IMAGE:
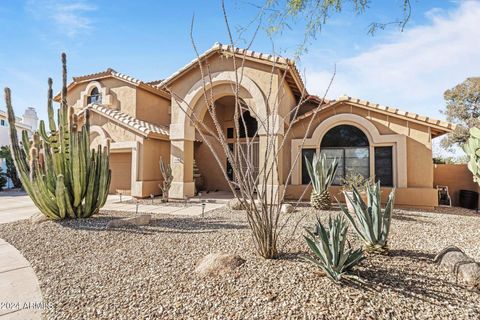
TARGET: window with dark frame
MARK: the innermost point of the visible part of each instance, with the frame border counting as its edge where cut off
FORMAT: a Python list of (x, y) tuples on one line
[(306, 153), (229, 133), (350, 146), (384, 165)]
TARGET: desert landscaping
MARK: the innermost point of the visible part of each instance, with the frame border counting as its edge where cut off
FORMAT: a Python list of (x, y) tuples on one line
[(149, 271)]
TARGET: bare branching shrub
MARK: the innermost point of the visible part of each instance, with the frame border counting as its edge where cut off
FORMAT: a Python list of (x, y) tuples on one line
[(257, 188)]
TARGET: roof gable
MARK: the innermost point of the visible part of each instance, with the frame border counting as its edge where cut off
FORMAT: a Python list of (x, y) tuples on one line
[(293, 78), (110, 73)]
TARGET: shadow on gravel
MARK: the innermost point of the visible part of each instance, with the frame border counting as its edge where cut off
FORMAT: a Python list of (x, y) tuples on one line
[(159, 225), (401, 216), (408, 284), (417, 255)]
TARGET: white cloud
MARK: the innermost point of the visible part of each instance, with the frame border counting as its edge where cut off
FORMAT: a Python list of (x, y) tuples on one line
[(68, 17), (411, 70)]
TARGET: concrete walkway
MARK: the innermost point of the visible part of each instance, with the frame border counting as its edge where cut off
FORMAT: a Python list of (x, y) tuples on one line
[(20, 295), (191, 208), (15, 206)]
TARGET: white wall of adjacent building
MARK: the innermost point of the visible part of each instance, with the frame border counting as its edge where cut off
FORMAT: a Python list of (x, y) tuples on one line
[(28, 122)]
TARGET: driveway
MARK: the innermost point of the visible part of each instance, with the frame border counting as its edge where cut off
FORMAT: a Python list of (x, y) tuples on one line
[(15, 206)]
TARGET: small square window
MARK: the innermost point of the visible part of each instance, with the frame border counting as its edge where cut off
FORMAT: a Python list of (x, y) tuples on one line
[(2, 123), (229, 133)]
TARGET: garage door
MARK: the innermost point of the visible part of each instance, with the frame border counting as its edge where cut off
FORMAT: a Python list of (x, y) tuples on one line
[(121, 166)]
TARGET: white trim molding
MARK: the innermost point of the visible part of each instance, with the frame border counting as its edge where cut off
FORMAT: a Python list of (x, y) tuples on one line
[(397, 141), (107, 98)]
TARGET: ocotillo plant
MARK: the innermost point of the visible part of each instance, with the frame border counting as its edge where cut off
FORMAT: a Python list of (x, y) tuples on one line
[(59, 171), (472, 149), (167, 175)]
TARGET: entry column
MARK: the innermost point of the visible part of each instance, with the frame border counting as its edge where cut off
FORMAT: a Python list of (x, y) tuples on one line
[(271, 164), (181, 161)]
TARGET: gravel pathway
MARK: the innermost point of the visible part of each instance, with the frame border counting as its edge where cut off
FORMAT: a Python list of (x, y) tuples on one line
[(88, 272)]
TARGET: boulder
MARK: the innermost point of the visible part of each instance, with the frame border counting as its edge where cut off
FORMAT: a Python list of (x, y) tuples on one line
[(287, 208), (461, 265), (235, 204), (38, 218), (141, 220), (218, 264)]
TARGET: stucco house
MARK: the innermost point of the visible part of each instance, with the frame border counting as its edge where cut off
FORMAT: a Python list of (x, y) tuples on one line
[(144, 123)]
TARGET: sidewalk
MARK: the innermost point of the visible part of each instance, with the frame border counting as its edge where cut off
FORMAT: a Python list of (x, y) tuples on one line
[(20, 293), (190, 209)]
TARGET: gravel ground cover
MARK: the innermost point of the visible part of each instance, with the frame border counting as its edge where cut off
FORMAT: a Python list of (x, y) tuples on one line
[(87, 272)]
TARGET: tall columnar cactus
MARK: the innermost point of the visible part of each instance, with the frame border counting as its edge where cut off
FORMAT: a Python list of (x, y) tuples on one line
[(59, 171), (472, 149)]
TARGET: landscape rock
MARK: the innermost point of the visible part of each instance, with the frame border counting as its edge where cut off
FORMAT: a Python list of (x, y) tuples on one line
[(287, 208), (235, 204), (141, 220), (218, 264), (38, 218), (461, 265)]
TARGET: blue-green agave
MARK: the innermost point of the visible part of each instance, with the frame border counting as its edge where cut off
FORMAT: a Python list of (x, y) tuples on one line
[(331, 249), (372, 223)]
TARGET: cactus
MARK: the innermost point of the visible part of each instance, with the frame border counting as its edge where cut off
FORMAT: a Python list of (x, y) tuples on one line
[(472, 149), (58, 170), (167, 175)]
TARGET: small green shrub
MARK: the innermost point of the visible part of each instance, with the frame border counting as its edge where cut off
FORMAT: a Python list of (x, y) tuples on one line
[(372, 223), (331, 249)]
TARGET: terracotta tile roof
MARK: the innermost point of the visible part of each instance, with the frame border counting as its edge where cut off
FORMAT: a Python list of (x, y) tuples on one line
[(293, 78), (154, 82), (112, 73), (442, 126), (144, 128)]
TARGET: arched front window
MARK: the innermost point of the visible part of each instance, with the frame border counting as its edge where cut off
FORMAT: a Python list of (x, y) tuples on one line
[(94, 97), (351, 147)]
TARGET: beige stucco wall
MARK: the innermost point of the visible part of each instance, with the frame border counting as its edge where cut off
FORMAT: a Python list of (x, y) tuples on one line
[(457, 177), (122, 95), (149, 175), (419, 189), (152, 108)]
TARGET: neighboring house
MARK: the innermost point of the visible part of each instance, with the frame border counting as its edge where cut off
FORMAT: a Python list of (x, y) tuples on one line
[(28, 122), (144, 123)]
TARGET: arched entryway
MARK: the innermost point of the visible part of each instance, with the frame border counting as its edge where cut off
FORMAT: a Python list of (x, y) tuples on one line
[(241, 136)]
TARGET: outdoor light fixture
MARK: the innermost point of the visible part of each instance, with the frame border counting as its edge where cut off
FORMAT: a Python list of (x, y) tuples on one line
[(203, 208)]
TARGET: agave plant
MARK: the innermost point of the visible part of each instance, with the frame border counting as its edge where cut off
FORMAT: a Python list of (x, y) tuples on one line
[(372, 223), (321, 174), (59, 171), (332, 251), (472, 149)]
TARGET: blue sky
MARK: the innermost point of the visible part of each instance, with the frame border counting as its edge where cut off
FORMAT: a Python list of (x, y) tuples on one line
[(150, 40)]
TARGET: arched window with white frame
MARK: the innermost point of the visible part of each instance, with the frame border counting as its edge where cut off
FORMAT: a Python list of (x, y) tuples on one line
[(94, 97)]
